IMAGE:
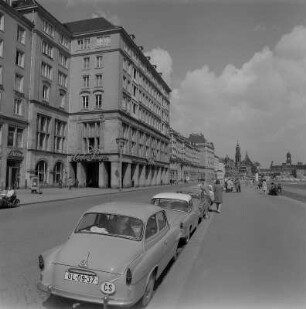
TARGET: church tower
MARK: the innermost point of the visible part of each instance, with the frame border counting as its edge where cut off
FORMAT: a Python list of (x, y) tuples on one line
[(237, 155), (288, 161)]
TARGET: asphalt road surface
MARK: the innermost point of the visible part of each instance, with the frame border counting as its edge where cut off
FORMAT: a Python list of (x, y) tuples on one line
[(252, 255)]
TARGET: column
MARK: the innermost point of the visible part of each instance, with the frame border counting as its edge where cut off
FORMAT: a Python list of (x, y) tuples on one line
[(115, 175), (102, 175), (136, 176), (127, 181)]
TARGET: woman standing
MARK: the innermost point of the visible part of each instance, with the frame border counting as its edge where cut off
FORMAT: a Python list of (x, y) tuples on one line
[(218, 190)]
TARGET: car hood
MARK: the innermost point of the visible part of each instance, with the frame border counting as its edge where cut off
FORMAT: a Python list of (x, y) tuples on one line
[(176, 217), (104, 253)]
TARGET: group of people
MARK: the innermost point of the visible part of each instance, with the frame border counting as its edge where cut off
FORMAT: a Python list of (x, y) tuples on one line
[(272, 188), (230, 184), (214, 194)]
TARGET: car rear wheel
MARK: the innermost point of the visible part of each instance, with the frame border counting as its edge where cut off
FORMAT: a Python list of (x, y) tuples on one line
[(148, 294)]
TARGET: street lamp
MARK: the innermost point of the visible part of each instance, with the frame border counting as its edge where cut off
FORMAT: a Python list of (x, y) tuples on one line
[(120, 142)]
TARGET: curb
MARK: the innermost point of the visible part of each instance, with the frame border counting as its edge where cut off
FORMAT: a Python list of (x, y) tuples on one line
[(93, 194)]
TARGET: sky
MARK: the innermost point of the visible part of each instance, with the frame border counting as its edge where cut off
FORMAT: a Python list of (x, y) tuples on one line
[(237, 68)]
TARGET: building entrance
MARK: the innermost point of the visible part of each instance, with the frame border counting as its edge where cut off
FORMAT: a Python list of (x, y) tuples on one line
[(92, 174), (13, 175)]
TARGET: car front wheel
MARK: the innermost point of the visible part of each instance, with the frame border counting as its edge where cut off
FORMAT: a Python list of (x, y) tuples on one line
[(148, 294)]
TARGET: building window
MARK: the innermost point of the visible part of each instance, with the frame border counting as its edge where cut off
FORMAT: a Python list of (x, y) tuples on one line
[(45, 93), (85, 81), (86, 63), (1, 75), (43, 124), (62, 79), (98, 100), (41, 171), (46, 70), (14, 137), (99, 80), (99, 61), (63, 60), (62, 99), (58, 172), (48, 28), (21, 35), (1, 48), (18, 106), (64, 41), (59, 136), (1, 22), (47, 49), (85, 101), (19, 58), (84, 43), (19, 83)]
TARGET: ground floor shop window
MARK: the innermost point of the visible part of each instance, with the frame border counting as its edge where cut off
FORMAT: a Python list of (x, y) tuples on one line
[(58, 172), (41, 171)]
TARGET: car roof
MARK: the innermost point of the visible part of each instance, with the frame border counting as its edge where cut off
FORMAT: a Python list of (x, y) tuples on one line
[(173, 195), (137, 210)]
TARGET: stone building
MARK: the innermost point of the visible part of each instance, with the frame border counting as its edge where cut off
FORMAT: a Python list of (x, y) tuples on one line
[(185, 159), (15, 85), (93, 107)]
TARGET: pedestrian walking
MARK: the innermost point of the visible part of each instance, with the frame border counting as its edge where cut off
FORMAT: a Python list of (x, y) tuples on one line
[(264, 187), (218, 192)]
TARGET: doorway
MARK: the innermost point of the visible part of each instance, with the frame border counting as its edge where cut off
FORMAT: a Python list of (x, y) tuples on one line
[(92, 174)]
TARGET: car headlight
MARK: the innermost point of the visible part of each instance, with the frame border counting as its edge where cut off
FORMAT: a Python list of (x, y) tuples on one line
[(129, 277), (41, 262)]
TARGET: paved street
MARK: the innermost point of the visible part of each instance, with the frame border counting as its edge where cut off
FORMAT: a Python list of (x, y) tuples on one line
[(251, 255)]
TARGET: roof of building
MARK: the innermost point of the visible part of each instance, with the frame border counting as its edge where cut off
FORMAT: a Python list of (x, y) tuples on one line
[(89, 25), (197, 138)]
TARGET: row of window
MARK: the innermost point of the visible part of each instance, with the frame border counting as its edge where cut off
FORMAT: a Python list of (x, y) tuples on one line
[(47, 70), (49, 30), (43, 139), (87, 62), (100, 41), (87, 78), (20, 34), (85, 98), (48, 50)]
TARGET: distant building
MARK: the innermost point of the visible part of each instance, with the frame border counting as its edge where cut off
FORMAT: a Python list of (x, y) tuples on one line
[(288, 169)]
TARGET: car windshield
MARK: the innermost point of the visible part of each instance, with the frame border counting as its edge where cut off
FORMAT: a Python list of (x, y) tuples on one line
[(172, 204), (111, 225)]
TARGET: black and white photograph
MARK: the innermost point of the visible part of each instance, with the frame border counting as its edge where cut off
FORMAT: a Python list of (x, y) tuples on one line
[(153, 154)]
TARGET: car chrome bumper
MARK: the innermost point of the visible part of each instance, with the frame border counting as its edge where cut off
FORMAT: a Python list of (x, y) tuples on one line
[(98, 300)]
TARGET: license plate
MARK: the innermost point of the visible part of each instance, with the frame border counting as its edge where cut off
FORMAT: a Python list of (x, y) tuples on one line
[(81, 278)]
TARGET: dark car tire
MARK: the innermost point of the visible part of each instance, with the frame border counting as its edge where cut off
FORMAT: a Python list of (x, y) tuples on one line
[(149, 291)]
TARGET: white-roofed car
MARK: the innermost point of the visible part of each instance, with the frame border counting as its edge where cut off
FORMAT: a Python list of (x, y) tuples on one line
[(181, 211), (117, 249)]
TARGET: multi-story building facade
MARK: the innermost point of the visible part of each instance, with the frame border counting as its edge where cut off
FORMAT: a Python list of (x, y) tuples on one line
[(97, 110), (185, 159), (207, 155), (15, 65)]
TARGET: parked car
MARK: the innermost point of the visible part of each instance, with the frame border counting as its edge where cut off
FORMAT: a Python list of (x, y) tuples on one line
[(200, 199), (116, 247), (181, 211)]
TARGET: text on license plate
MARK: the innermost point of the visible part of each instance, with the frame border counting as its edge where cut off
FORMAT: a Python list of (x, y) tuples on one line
[(81, 278)]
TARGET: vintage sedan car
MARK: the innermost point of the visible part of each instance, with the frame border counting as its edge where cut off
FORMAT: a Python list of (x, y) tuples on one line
[(117, 249), (181, 211), (200, 199)]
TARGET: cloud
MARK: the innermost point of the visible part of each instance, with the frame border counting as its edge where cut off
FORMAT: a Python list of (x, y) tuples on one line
[(262, 103), (114, 19), (162, 59)]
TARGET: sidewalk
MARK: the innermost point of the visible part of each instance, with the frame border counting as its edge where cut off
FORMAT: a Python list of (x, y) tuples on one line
[(58, 194)]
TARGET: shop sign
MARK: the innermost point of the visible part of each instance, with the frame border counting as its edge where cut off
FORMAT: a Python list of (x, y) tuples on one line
[(15, 154), (93, 156)]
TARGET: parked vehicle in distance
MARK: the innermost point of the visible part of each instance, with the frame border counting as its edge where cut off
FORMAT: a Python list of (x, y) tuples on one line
[(181, 211), (117, 248)]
